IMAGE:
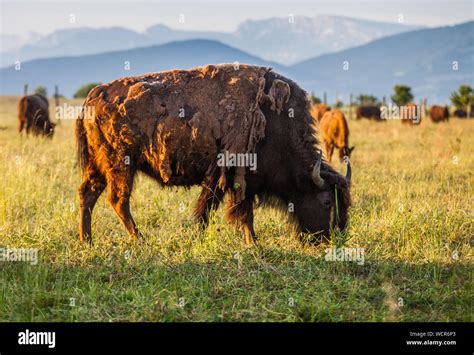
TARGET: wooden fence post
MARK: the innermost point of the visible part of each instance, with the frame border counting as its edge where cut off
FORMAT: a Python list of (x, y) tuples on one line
[(56, 101), (56, 95), (350, 106), (25, 89)]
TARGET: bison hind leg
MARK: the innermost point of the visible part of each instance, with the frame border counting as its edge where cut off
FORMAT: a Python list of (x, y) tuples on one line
[(209, 199), (21, 125), (90, 190), (121, 185)]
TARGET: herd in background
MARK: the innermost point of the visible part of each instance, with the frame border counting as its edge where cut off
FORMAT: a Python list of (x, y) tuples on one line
[(334, 129), (33, 117)]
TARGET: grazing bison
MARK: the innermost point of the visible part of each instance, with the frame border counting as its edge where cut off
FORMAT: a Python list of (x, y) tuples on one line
[(335, 133), (461, 113), (174, 125), (410, 114), (33, 111), (318, 110), (439, 113), (370, 112)]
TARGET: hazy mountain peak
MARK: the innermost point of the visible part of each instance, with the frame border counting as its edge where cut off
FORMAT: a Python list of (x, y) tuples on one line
[(276, 39)]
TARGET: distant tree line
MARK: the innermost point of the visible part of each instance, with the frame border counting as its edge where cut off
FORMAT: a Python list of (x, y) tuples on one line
[(84, 90), (462, 99)]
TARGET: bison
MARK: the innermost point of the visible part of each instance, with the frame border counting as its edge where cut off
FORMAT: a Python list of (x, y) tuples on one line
[(33, 111), (318, 110), (370, 112), (462, 113), (174, 125), (439, 113), (335, 133)]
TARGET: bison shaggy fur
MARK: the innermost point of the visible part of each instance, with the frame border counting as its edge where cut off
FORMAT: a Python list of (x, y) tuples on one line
[(173, 125)]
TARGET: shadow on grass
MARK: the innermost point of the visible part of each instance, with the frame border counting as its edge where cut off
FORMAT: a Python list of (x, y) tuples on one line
[(260, 285)]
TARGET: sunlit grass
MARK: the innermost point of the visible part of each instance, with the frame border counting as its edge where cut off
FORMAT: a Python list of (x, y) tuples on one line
[(412, 213)]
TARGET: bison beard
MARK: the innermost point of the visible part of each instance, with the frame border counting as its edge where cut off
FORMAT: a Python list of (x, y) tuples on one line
[(172, 126)]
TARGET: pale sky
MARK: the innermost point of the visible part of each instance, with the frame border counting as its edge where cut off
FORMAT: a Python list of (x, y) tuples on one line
[(21, 17)]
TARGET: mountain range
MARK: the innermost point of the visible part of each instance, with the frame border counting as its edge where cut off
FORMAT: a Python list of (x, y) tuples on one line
[(433, 61), (71, 72), (283, 40)]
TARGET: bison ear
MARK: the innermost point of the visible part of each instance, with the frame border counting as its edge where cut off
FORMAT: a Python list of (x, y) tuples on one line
[(279, 94)]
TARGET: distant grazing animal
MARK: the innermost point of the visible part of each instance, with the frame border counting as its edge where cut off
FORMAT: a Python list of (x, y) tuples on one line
[(409, 114), (461, 113), (370, 112), (335, 134), (439, 113), (33, 112), (175, 125), (318, 110)]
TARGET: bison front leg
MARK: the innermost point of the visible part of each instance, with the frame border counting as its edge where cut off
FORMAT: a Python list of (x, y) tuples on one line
[(90, 190), (242, 215), (119, 198)]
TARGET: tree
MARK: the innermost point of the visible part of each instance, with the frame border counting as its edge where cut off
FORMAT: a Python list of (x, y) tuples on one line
[(463, 99), (339, 104), (366, 100), (84, 90), (314, 100), (41, 90), (402, 95)]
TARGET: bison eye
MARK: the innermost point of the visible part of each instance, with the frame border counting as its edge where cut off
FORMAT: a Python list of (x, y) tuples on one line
[(326, 202)]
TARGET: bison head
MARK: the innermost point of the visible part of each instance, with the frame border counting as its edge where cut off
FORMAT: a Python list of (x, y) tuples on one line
[(324, 206), (48, 129)]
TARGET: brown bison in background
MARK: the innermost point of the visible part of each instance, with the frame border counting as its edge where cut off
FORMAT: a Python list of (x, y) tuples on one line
[(335, 134), (439, 113), (33, 112), (173, 125), (318, 110), (410, 114), (370, 112)]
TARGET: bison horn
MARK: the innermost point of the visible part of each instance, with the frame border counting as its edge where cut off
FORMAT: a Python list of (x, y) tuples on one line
[(316, 174), (349, 170)]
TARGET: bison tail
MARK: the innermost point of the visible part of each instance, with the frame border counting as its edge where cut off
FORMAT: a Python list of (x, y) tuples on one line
[(81, 142)]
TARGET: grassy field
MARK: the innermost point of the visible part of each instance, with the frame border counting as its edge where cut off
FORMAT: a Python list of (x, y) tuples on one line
[(412, 213)]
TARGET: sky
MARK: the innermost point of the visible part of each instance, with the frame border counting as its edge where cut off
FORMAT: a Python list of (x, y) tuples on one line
[(20, 17)]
